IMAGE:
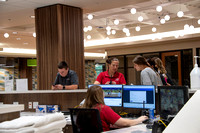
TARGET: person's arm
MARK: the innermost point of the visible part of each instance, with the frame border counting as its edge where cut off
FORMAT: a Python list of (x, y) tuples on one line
[(74, 82), (99, 78), (65, 87), (53, 87), (96, 83), (123, 81), (128, 122)]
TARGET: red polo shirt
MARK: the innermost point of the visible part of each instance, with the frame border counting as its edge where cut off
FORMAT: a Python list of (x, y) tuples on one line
[(104, 77), (108, 116)]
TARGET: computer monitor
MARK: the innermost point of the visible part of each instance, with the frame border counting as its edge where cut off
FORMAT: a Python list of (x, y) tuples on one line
[(139, 96), (113, 94), (171, 99)]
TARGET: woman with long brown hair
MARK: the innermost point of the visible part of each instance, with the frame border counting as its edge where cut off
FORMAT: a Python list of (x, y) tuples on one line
[(95, 99), (148, 76)]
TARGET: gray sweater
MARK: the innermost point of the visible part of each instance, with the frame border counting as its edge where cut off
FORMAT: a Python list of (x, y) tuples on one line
[(149, 77)]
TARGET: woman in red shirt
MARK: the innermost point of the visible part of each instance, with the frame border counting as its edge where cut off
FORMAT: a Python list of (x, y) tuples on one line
[(111, 76), (95, 99)]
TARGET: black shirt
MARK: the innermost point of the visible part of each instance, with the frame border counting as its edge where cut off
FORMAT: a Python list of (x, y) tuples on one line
[(70, 79)]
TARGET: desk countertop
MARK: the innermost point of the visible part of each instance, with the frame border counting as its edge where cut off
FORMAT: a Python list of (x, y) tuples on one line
[(44, 91), (140, 128), (8, 108)]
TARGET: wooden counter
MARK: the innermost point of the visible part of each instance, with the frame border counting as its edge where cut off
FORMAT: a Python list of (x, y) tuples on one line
[(10, 111), (65, 98)]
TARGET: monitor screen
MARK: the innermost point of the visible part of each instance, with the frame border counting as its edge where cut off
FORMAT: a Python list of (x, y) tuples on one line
[(171, 99), (113, 94), (139, 96)]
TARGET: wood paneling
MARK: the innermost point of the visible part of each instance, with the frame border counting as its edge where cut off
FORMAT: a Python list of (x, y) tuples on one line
[(25, 72), (59, 30), (65, 100), (9, 116)]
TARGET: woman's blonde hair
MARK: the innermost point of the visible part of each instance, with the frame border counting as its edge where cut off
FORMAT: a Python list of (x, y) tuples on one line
[(160, 66), (94, 96)]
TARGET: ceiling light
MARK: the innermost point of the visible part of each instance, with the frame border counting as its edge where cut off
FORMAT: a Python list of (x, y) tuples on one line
[(125, 30), (94, 54), (159, 8), (199, 21), (89, 37), (176, 35), (133, 11), (107, 38), (108, 32), (108, 28), (6, 35), (137, 28), (113, 32), (167, 17), (186, 27), (153, 29), (85, 29), (191, 27), (34, 34), (181, 34), (90, 16), (140, 18), (128, 34), (116, 21), (89, 28), (3, 0), (17, 50), (32, 16), (180, 14), (162, 21), (14, 32)]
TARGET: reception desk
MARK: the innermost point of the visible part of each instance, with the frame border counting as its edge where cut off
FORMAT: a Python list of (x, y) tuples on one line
[(10, 111), (65, 98)]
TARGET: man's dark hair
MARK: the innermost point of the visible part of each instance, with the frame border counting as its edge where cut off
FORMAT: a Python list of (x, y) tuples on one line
[(62, 65)]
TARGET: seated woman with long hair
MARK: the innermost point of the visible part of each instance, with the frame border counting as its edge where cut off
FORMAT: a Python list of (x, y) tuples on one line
[(95, 99)]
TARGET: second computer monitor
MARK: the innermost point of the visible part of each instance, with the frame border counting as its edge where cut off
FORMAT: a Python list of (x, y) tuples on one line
[(139, 96), (113, 94)]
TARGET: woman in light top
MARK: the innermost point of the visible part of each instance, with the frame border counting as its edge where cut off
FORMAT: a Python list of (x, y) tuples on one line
[(111, 76), (148, 75), (95, 99)]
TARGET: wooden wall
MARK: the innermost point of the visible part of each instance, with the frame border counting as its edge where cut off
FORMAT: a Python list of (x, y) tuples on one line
[(65, 100), (59, 30)]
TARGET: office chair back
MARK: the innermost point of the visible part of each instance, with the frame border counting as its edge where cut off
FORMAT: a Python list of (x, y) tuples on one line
[(85, 120)]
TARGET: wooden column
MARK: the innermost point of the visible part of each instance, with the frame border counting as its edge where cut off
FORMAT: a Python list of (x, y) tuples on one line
[(59, 30)]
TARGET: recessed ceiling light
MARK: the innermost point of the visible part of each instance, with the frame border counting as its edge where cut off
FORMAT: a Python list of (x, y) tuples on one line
[(89, 28), (108, 28), (34, 34), (162, 21), (137, 28), (89, 37), (186, 27), (140, 18), (32, 16), (113, 32), (199, 21), (6, 35), (128, 34), (167, 17), (116, 21), (159, 8), (90, 16), (133, 11), (180, 14), (85, 29), (154, 29), (3, 0), (108, 32)]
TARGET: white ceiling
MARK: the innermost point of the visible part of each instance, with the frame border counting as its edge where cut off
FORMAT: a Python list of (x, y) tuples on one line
[(15, 17)]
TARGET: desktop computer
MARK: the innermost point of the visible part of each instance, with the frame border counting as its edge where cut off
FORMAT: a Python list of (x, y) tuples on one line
[(113, 95)]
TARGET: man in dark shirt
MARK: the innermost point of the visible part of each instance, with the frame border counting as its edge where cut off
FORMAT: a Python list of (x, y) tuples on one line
[(66, 79)]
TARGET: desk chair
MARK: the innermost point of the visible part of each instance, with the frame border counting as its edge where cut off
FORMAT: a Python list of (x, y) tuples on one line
[(85, 120)]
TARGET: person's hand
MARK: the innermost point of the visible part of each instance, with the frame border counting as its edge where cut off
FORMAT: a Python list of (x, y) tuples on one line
[(142, 118), (58, 87), (113, 82), (107, 83)]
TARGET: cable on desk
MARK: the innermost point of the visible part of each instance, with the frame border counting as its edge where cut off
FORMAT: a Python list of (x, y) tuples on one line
[(162, 123)]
